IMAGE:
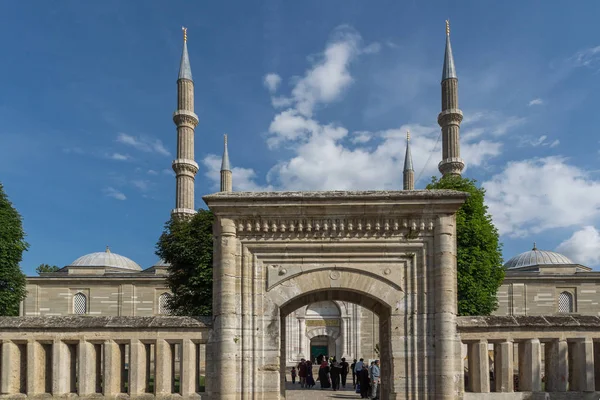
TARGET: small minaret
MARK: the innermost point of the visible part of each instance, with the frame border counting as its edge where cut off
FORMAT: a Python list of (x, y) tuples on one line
[(184, 166), (408, 182), (451, 116), (226, 183)]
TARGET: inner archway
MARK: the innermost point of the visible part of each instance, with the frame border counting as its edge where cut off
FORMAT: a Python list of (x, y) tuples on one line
[(328, 338)]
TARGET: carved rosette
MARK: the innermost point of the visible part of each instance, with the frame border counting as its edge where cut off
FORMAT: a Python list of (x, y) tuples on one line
[(333, 227)]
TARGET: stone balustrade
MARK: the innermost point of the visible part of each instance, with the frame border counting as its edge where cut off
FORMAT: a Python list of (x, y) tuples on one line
[(531, 357), (104, 357)]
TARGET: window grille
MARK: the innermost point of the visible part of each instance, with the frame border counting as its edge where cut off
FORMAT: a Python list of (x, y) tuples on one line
[(565, 302), (163, 304), (79, 304)]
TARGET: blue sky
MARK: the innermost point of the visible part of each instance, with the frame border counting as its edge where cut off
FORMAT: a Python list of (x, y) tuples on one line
[(313, 95)]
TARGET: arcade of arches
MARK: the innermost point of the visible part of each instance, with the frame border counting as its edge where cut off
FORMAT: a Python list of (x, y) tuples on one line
[(287, 263)]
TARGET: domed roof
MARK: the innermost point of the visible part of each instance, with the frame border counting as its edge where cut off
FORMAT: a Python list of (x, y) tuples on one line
[(106, 259), (161, 263), (537, 257)]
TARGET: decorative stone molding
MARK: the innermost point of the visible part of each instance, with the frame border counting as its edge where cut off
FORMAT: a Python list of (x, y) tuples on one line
[(182, 166), (453, 166), (333, 332), (185, 117), (450, 116), (333, 227)]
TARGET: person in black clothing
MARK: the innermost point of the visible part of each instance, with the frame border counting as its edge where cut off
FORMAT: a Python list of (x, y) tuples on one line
[(363, 379), (353, 373), (344, 372), (335, 372)]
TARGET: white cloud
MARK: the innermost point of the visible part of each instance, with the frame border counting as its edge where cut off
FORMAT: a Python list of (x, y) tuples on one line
[(537, 142), (114, 193), (536, 102), (583, 246), (243, 179), (586, 58), (508, 123), (372, 48), (152, 172), (271, 82), (119, 156), (531, 196), (361, 137), (144, 144), (168, 171), (142, 185), (329, 77)]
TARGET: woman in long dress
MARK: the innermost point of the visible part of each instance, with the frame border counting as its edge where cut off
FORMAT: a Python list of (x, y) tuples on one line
[(324, 375), (310, 381)]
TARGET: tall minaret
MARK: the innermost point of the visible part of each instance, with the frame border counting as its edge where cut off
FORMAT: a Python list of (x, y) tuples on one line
[(408, 182), (451, 116), (184, 166), (226, 184)]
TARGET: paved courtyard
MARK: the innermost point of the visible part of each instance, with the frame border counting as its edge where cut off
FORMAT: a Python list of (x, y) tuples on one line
[(294, 392)]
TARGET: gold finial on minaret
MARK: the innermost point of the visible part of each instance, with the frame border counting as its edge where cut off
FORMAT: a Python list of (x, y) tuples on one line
[(184, 29), (407, 135), (447, 27)]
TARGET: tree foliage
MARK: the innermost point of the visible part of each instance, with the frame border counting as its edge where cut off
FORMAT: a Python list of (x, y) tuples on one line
[(188, 247), (44, 268), (480, 270), (12, 246)]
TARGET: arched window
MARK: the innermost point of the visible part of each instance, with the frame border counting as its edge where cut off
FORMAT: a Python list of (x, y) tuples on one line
[(163, 304), (79, 304), (565, 302)]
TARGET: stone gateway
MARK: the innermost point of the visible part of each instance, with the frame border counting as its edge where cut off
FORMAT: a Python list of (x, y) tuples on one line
[(392, 252)]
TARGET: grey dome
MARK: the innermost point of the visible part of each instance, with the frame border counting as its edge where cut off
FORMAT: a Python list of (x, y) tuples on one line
[(537, 257), (106, 259)]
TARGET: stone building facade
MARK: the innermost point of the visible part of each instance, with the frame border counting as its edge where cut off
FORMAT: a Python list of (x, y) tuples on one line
[(102, 284)]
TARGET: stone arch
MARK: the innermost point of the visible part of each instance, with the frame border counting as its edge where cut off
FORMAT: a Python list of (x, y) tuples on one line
[(354, 287), (323, 331)]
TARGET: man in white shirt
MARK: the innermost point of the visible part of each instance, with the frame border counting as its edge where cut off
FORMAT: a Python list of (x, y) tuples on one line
[(375, 373), (358, 366)]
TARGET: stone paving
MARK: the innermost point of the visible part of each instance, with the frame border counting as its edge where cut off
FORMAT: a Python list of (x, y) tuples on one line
[(294, 392)]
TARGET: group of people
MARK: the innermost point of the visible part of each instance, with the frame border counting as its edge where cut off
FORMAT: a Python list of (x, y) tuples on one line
[(304, 373), (366, 378), (332, 374)]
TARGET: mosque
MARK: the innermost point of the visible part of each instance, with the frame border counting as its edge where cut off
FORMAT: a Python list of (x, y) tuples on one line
[(104, 283)]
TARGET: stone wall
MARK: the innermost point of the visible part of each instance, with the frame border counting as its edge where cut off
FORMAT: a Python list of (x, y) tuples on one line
[(142, 357)]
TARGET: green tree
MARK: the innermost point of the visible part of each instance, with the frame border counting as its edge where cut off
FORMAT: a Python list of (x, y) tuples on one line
[(480, 270), (12, 246), (187, 245), (44, 268)]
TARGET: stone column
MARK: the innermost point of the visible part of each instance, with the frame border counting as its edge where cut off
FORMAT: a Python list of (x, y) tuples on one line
[(137, 368), (557, 366), (60, 368), (479, 369), (445, 308), (188, 368), (530, 366), (87, 368), (162, 376), (35, 376), (9, 368), (503, 366), (583, 366), (224, 310), (112, 368), (302, 337)]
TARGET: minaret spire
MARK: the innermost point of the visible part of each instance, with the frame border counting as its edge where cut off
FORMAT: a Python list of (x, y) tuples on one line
[(226, 182), (408, 182), (451, 116), (186, 120)]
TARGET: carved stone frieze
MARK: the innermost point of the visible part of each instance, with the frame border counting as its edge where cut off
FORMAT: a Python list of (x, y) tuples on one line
[(409, 228)]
